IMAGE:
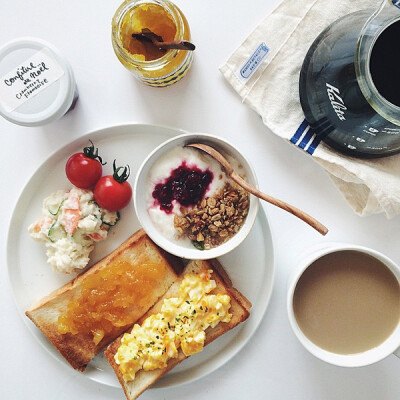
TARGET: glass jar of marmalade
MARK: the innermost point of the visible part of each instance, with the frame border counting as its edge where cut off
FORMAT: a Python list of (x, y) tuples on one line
[(153, 66)]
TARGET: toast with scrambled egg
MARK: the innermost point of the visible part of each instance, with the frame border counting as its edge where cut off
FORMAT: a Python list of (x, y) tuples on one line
[(92, 310), (153, 330)]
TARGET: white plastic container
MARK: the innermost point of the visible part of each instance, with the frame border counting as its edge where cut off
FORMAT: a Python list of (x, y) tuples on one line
[(37, 84)]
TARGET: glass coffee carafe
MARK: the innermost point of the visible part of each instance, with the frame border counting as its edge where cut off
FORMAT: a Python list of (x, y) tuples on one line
[(350, 83)]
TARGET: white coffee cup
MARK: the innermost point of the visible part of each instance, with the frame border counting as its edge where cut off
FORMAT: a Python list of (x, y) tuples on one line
[(390, 346)]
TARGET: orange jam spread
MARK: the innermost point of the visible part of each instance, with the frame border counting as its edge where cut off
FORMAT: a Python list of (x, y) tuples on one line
[(147, 16), (110, 299)]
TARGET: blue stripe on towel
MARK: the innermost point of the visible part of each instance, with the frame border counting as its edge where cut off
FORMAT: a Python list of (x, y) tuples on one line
[(314, 144), (299, 132), (309, 139), (306, 138)]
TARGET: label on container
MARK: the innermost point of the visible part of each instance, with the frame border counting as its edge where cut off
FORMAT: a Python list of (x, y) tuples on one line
[(28, 79), (254, 61)]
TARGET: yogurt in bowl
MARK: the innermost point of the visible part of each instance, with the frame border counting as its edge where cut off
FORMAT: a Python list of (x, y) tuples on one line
[(188, 205)]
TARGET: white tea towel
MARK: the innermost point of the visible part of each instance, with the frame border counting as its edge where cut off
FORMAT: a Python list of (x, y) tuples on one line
[(277, 48)]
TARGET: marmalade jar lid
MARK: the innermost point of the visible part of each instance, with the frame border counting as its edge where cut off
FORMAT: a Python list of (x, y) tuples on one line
[(37, 84)]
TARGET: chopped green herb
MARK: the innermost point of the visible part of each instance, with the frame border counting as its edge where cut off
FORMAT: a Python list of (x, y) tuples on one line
[(198, 245)]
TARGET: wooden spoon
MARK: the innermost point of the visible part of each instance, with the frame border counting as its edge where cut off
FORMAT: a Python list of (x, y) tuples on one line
[(148, 36), (240, 181)]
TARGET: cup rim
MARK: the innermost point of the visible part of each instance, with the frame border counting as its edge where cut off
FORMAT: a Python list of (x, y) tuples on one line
[(371, 356)]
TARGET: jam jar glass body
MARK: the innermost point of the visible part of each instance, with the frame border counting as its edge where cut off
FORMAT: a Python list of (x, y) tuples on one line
[(162, 71)]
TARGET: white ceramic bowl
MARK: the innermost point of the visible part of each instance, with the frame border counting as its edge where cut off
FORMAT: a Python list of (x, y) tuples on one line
[(178, 247)]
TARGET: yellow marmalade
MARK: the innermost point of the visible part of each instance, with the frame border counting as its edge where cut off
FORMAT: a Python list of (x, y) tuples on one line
[(181, 323), (152, 66)]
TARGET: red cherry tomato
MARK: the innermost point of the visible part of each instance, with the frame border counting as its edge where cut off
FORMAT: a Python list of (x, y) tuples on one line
[(84, 169), (113, 192)]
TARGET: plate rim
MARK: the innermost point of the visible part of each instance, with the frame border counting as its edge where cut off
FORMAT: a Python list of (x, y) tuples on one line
[(261, 215)]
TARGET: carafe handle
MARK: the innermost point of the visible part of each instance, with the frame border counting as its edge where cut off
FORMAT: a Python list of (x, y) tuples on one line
[(386, 6), (385, 11)]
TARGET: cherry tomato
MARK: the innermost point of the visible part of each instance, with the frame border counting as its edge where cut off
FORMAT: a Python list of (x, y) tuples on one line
[(84, 169), (113, 192)]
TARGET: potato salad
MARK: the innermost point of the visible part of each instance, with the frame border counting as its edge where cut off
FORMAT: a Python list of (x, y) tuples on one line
[(71, 223)]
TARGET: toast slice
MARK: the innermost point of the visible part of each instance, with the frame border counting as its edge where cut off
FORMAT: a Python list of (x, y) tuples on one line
[(240, 310), (78, 349)]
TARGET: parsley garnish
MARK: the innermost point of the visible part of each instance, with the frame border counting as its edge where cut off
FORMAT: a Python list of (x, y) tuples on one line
[(198, 245)]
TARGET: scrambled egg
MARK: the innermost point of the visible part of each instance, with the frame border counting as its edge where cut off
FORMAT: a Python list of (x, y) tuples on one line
[(181, 323)]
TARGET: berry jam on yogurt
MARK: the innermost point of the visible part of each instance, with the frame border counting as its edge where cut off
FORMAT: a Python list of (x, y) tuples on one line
[(186, 185), (177, 181), (191, 200)]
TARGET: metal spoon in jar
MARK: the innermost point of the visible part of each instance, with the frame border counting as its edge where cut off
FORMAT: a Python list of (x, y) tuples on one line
[(241, 182)]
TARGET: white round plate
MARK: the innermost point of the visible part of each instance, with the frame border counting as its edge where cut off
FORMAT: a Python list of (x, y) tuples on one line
[(250, 266)]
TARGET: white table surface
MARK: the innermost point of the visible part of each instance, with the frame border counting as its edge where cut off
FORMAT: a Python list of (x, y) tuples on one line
[(273, 365)]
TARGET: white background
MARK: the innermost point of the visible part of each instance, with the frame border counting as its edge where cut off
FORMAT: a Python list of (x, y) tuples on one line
[(273, 365)]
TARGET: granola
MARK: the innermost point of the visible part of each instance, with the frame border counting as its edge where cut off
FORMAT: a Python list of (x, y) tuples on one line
[(214, 220)]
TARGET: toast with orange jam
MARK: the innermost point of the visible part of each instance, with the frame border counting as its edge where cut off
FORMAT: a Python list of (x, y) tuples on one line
[(92, 310), (153, 330)]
